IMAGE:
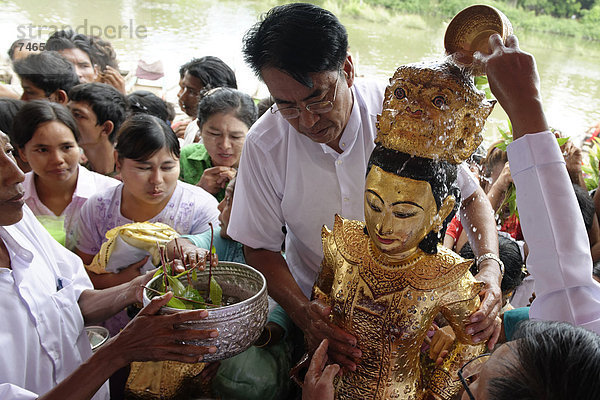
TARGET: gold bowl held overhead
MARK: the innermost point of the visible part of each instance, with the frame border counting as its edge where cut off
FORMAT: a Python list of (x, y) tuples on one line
[(470, 30)]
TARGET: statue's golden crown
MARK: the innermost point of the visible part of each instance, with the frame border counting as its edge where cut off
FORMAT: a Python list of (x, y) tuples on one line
[(433, 111)]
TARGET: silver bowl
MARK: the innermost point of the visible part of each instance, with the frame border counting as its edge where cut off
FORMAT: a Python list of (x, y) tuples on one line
[(239, 324)]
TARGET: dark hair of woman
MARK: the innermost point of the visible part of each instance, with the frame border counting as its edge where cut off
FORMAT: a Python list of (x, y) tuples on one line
[(440, 175), (146, 102), (142, 135), (226, 100), (36, 112)]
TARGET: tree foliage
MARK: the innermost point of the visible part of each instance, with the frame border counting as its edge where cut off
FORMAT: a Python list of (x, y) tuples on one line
[(558, 8)]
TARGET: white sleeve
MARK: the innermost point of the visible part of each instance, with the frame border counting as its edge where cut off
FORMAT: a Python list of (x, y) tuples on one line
[(8, 391), (256, 215), (559, 251), (466, 181)]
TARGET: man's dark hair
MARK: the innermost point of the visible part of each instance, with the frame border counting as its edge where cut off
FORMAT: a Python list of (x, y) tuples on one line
[(212, 71), (35, 113), (510, 255), (586, 205), (554, 361), (226, 100), (299, 39), (441, 176), (145, 102), (47, 70), (142, 135), (69, 39), (107, 103), (8, 109)]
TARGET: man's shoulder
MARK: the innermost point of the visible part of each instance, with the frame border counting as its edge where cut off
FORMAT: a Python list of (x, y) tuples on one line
[(370, 94), (269, 131)]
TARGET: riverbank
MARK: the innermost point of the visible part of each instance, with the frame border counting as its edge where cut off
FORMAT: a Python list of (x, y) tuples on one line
[(587, 27)]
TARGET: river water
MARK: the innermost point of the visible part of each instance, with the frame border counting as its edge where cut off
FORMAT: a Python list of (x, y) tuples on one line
[(176, 31)]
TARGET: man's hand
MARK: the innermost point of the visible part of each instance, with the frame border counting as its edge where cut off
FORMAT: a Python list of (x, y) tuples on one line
[(112, 77), (441, 342), (483, 323), (318, 384), (180, 127), (152, 337), (316, 326), (514, 81), (216, 178)]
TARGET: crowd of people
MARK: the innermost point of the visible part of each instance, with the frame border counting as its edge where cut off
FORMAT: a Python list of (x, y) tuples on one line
[(81, 156)]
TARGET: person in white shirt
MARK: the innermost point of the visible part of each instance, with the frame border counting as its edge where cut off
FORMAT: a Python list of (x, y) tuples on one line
[(47, 299), (47, 138), (305, 161)]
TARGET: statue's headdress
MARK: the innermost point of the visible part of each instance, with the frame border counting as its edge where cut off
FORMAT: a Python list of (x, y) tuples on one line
[(433, 111)]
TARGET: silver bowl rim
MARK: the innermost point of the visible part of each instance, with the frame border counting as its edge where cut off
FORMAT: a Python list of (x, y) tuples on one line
[(251, 299)]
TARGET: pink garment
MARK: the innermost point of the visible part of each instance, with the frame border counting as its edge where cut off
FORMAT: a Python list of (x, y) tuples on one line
[(88, 183)]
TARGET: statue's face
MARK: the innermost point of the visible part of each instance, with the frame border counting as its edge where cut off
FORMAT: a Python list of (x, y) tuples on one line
[(399, 212)]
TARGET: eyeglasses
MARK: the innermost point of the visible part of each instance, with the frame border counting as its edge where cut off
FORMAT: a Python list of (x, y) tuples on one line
[(319, 107), (470, 370)]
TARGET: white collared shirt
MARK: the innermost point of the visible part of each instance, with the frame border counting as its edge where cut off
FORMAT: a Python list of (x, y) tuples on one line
[(559, 250), (286, 179), (42, 338), (88, 183)]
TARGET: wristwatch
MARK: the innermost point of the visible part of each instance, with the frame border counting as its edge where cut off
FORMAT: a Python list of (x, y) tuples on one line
[(491, 256)]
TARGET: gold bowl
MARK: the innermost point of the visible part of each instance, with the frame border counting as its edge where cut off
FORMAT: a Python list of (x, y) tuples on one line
[(470, 30)]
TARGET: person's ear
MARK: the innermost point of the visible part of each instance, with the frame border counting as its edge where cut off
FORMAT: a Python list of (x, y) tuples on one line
[(348, 70), (22, 154), (117, 162), (445, 210), (59, 96), (107, 128)]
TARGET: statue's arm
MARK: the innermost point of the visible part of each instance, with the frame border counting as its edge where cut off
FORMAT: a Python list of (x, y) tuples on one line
[(461, 301)]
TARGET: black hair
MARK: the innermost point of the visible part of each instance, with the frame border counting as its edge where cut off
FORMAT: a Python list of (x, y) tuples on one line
[(225, 100), (8, 109), (510, 255), (103, 53), (142, 135), (47, 70), (212, 71), (16, 43), (146, 102), (69, 39), (105, 101), (441, 176), (554, 361), (36, 112), (586, 205), (299, 39)]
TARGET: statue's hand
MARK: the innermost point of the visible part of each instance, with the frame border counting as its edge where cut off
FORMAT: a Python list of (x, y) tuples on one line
[(316, 325), (483, 324)]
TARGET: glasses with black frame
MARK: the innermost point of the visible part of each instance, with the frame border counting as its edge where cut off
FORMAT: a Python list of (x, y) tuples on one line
[(318, 107), (470, 370)]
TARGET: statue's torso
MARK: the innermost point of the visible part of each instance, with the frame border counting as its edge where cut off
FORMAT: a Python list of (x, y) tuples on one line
[(388, 308)]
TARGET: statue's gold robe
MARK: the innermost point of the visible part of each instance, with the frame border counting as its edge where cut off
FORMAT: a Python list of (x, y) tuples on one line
[(389, 308)]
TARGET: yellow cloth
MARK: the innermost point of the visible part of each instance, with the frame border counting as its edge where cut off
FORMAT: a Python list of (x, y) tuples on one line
[(130, 243)]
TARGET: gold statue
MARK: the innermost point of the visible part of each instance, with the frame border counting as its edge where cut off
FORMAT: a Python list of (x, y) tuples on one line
[(388, 278)]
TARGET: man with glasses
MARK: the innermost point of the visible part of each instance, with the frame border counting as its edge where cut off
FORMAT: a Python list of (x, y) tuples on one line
[(305, 161)]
